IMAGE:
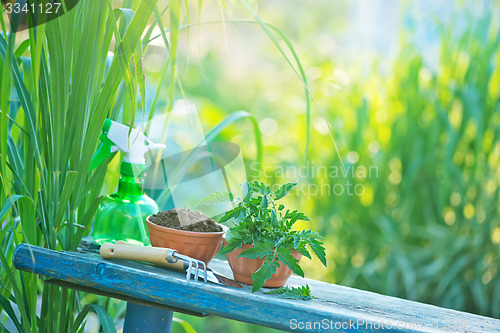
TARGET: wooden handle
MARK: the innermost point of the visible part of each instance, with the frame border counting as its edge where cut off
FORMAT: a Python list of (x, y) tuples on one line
[(154, 255)]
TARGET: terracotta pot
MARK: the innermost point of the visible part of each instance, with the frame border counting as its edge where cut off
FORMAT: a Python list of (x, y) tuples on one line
[(199, 245), (244, 267)]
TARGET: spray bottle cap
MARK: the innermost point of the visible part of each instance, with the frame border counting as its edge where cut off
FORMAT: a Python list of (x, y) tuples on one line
[(118, 137)]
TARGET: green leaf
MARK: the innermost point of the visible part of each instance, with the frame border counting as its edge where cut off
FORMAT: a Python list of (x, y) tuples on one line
[(141, 78), (105, 320), (230, 214), (303, 292), (19, 296), (283, 190), (303, 217), (128, 15), (302, 250), (264, 202), (265, 189), (22, 48), (62, 205), (285, 256), (255, 186), (296, 241), (295, 215), (274, 218), (277, 291), (260, 187), (7, 307), (8, 204), (175, 16), (2, 326), (234, 233), (217, 197), (264, 273), (246, 192), (85, 220), (318, 249), (230, 247), (254, 209), (260, 250), (185, 325)]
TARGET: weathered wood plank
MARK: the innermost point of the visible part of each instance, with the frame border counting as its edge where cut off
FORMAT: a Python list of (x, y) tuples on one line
[(337, 308)]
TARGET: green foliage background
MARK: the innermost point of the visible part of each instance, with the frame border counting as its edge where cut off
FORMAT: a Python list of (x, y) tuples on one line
[(427, 226)]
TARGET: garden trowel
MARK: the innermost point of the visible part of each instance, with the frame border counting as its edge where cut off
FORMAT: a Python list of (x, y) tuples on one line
[(168, 258)]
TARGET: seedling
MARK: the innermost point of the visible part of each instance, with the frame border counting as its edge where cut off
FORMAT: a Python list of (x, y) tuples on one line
[(303, 292), (264, 223)]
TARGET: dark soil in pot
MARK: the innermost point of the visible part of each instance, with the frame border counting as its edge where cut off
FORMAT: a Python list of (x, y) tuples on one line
[(185, 219)]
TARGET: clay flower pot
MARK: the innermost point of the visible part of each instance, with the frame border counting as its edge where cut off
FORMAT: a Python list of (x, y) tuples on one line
[(199, 245), (244, 267)]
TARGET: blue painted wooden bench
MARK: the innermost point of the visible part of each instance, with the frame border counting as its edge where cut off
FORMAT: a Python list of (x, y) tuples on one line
[(154, 293)]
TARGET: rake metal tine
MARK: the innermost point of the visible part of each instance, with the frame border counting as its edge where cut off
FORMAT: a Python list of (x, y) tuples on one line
[(197, 270), (204, 271), (188, 274), (196, 263)]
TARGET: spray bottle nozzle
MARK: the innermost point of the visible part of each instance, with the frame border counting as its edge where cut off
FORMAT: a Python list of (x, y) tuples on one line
[(117, 137)]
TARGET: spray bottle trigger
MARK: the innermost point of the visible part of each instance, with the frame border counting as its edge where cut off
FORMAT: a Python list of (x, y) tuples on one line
[(105, 149)]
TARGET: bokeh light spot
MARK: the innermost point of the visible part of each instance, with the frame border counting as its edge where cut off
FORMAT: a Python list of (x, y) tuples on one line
[(449, 216), (268, 126), (495, 236), (455, 199), (367, 197), (320, 125), (469, 211), (357, 260), (352, 157)]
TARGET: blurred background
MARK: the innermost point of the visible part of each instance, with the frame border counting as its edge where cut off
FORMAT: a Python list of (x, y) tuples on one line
[(396, 149)]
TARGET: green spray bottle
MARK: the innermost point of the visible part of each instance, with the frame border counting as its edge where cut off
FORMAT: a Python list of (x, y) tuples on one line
[(122, 215)]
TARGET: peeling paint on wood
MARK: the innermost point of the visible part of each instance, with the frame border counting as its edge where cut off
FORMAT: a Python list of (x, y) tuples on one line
[(336, 308)]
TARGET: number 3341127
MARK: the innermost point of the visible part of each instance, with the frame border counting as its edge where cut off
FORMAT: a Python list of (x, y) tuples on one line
[(43, 8)]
